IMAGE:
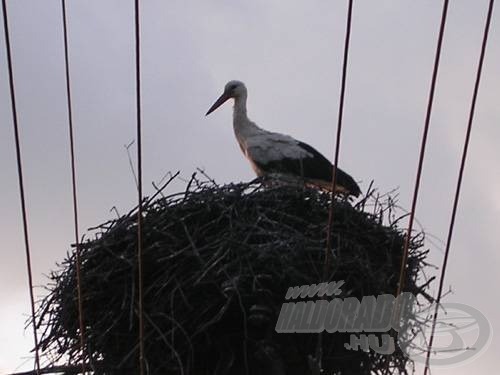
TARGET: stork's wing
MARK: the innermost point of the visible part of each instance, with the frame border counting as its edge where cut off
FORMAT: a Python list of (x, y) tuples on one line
[(278, 153)]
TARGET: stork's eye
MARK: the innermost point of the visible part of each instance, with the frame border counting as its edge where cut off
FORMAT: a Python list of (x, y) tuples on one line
[(233, 87)]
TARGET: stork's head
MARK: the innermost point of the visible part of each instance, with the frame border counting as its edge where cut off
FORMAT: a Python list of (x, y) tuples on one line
[(232, 90)]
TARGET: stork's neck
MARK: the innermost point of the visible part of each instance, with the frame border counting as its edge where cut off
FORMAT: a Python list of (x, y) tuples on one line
[(240, 109), (243, 127)]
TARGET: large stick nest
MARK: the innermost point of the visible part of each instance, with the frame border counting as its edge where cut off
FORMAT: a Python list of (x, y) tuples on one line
[(217, 262)]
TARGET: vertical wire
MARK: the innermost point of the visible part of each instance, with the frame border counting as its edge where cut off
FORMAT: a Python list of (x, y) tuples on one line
[(404, 259), (337, 147), (328, 248), (459, 181), (21, 183), (139, 187), (73, 184)]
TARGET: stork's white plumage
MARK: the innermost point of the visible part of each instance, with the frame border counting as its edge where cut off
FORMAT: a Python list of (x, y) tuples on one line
[(279, 154)]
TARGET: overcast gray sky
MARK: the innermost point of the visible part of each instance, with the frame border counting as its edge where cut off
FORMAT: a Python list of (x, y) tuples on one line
[(289, 55)]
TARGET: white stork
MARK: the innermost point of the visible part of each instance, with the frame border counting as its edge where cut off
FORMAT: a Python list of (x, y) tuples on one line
[(278, 154)]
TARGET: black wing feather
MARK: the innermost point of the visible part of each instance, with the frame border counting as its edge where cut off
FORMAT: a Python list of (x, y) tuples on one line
[(316, 167)]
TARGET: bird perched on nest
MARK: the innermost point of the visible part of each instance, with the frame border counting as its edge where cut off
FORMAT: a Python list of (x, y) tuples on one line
[(274, 154)]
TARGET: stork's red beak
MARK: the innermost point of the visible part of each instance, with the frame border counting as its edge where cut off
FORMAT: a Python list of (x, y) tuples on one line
[(222, 99)]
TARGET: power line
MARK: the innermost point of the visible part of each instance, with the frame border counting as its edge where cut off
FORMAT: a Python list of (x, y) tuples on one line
[(459, 181), (21, 182), (139, 186), (328, 248), (73, 184), (337, 146), (404, 259)]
